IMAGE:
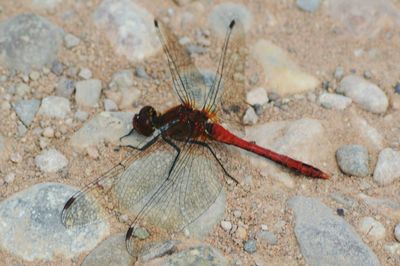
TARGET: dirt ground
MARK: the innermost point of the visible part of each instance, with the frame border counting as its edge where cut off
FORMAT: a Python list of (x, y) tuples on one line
[(312, 40)]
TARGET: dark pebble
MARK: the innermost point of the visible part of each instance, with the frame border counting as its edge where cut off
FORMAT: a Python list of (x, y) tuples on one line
[(57, 68), (340, 212), (397, 88), (250, 246)]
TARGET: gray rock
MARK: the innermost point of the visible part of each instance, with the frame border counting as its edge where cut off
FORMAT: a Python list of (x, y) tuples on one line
[(29, 41), (85, 73), (200, 255), (65, 87), (372, 228), (57, 68), (50, 161), (30, 225), (71, 41), (55, 106), (111, 251), (257, 96), (156, 250), (88, 92), (308, 5), (267, 237), (22, 89), (122, 79), (397, 232), (141, 72), (366, 94), (110, 105), (325, 238), (250, 246), (335, 101), (250, 117), (222, 15), (26, 110), (353, 159), (387, 168), (339, 73), (129, 27)]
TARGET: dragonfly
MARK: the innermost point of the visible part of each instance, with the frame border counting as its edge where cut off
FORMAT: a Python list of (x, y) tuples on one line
[(175, 175)]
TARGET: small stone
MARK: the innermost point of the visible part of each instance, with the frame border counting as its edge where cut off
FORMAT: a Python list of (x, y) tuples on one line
[(141, 233), (57, 68), (339, 73), (397, 232), (226, 225), (72, 72), (194, 49), (65, 87), (88, 92), (71, 41), (373, 229), (241, 233), (308, 5), (335, 101), (353, 159), (110, 105), (237, 213), (367, 74), (85, 73), (16, 158), (387, 168), (9, 178), (55, 106), (51, 161), (122, 79), (48, 132), (264, 227), (257, 96), (26, 110), (397, 88), (267, 237), (81, 115), (43, 143), (250, 117), (123, 218), (393, 248), (250, 246), (34, 75), (140, 72)]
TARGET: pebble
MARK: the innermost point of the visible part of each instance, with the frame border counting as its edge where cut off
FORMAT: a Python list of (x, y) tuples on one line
[(88, 92), (373, 229), (141, 233), (397, 88), (57, 68), (140, 72), (387, 168), (393, 248), (339, 73), (65, 87), (31, 227), (122, 79), (367, 74), (257, 96), (308, 5), (241, 233), (267, 237), (9, 178), (26, 110), (250, 117), (366, 94), (16, 158), (250, 246), (70, 41), (50, 161), (222, 15), (34, 39), (85, 73), (353, 160), (237, 213), (48, 132), (334, 101), (34, 75), (284, 76), (110, 105), (397, 232), (55, 106), (72, 72), (22, 89), (81, 115), (226, 225), (324, 236), (129, 27)]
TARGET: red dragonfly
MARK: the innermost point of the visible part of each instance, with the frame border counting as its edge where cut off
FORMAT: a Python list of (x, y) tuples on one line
[(174, 176)]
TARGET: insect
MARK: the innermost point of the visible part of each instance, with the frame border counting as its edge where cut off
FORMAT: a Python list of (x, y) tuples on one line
[(175, 175)]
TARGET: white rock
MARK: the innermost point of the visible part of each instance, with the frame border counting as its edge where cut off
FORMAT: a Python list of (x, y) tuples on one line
[(88, 92), (372, 228), (366, 94), (226, 225), (48, 132), (71, 41), (250, 117), (393, 248), (51, 161), (110, 105), (257, 96), (387, 168), (54, 106), (85, 73), (397, 232), (335, 101)]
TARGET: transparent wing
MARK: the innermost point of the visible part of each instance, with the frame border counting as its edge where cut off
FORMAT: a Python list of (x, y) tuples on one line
[(188, 83), (229, 83)]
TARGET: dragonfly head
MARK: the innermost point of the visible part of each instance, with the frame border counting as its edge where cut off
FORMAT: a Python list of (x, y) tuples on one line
[(143, 122)]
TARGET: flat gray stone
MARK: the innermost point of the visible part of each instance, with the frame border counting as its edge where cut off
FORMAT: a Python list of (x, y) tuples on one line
[(88, 92), (28, 41), (26, 110), (325, 238), (129, 27), (55, 107), (31, 228), (387, 168), (111, 251), (366, 94), (353, 159), (51, 161), (334, 101)]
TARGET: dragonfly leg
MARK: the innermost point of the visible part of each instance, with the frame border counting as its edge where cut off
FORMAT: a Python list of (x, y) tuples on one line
[(178, 150), (215, 156), (145, 146), (124, 136)]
